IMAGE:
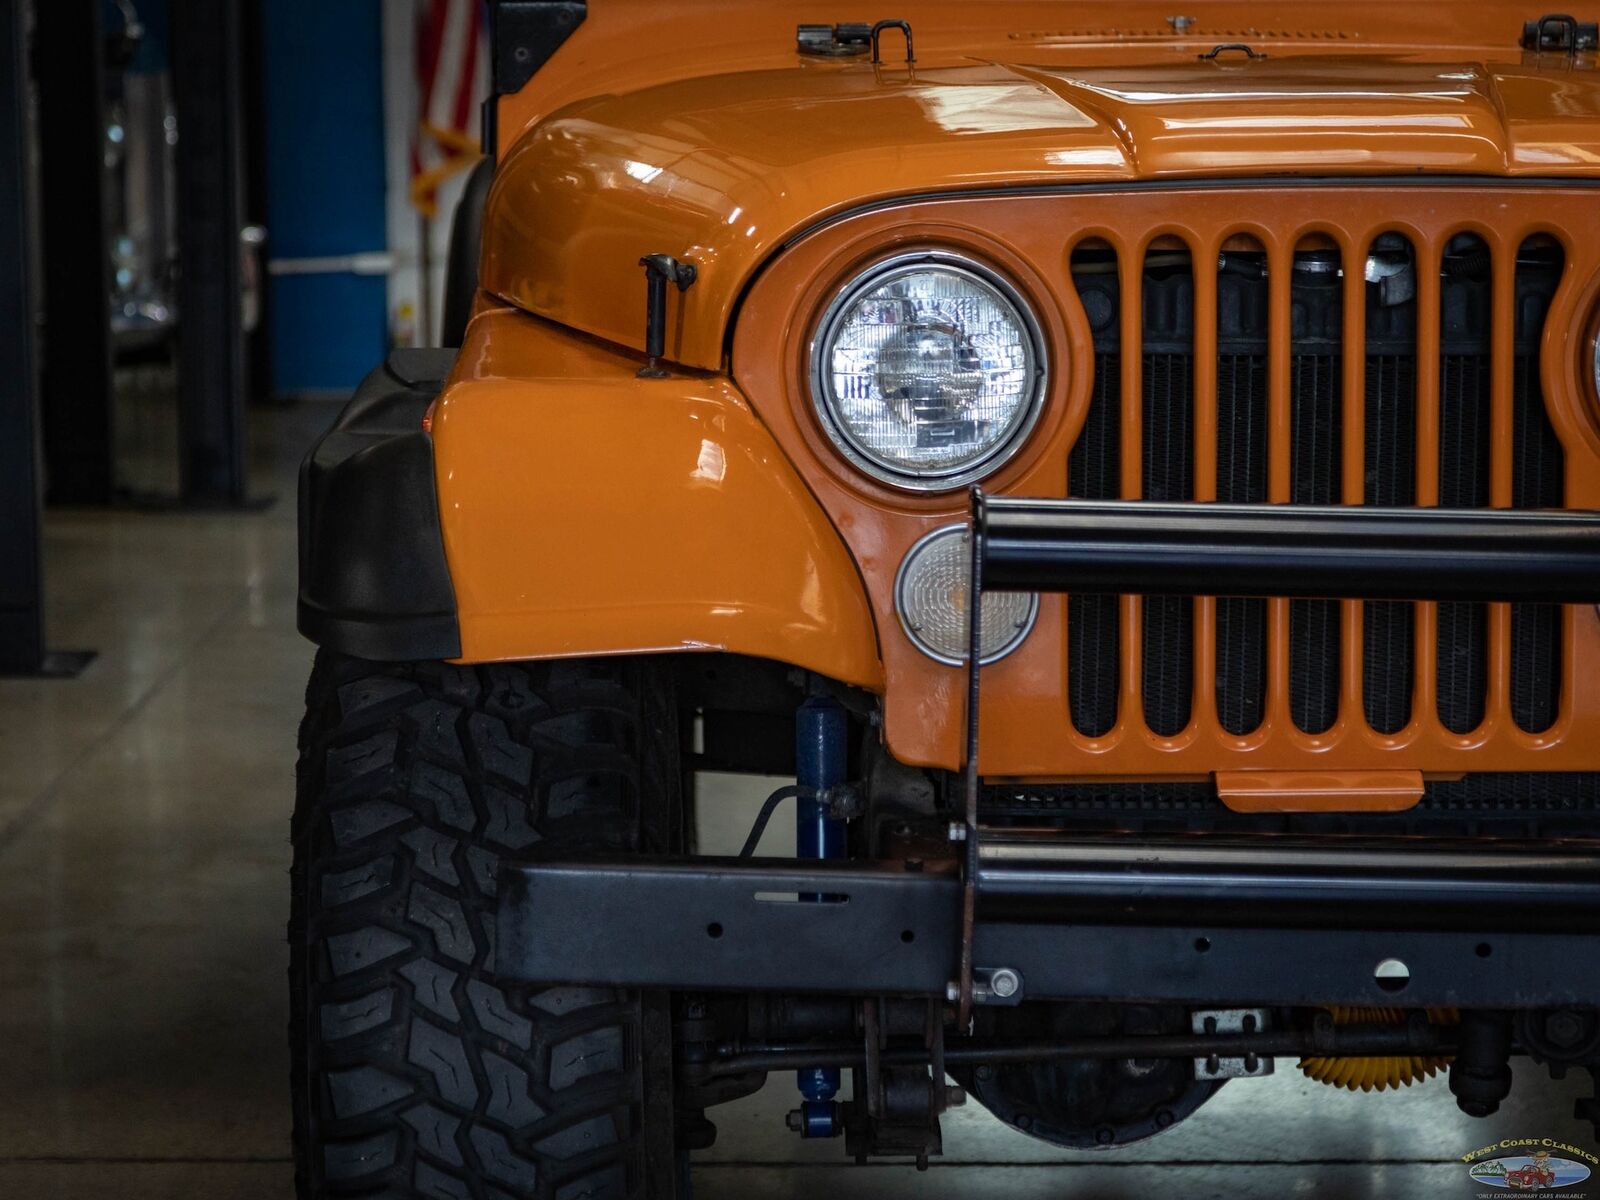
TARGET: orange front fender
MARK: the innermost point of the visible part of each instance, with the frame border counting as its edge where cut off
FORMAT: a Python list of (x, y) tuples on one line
[(587, 511)]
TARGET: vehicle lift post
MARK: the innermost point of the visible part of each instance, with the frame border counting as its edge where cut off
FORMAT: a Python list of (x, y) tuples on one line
[(22, 632)]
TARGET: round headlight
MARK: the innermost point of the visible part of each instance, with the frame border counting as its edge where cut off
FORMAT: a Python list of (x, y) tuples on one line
[(930, 594), (928, 371)]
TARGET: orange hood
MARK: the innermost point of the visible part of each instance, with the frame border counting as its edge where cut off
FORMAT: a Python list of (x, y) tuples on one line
[(724, 169)]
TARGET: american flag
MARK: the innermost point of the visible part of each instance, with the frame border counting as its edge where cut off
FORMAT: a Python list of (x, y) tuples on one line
[(452, 81)]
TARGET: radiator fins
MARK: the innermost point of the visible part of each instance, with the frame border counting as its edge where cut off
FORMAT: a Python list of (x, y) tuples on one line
[(1376, 1074)]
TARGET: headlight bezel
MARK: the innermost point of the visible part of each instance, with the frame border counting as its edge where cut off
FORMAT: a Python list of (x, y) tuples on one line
[(824, 402)]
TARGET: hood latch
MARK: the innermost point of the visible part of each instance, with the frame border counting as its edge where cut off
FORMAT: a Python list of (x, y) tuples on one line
[(660, 270)]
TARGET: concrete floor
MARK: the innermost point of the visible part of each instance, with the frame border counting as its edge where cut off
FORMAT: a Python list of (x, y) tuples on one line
[(143, 872)]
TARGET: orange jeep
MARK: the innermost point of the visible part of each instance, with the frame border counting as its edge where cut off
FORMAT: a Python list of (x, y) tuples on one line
[(1134, 467)]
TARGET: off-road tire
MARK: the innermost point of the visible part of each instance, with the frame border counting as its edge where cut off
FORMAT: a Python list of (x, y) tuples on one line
[(417, 1072)]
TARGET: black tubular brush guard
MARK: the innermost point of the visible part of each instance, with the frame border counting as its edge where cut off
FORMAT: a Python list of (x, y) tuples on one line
[(1132, 547), (1503, 925)]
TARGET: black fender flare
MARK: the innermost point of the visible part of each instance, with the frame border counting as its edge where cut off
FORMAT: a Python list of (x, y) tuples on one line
[(373, 578), (466, 247)]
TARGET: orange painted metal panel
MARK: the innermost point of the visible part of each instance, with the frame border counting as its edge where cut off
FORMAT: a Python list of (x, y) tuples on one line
[(696, 130), (587, 511), (627, 45), (1319, 791), (1027, 731)]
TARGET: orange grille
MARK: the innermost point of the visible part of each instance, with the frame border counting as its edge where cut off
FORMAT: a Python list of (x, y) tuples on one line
[(1478, 434), (1352, 375), (1528, 699)]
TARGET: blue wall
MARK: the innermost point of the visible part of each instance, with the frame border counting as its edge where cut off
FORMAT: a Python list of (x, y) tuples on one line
[(325, 186)]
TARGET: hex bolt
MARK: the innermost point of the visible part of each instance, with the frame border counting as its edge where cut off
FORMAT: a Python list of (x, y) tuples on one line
[(958, 831), (954, 1097), (794, 1120), (952, 993), (1005, 983), (1105, 1135)]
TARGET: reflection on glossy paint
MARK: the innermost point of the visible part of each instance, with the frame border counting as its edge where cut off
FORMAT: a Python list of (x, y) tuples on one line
[(997, 108), (1087, 158), (1310, 95), (813, 601), (712, 466), (1338, 121)]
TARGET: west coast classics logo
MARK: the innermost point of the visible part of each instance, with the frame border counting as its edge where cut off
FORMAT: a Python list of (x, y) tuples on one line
[(1531, 1165)]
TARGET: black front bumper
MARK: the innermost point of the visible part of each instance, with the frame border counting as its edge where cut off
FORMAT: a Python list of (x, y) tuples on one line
[(1476, 924), (1081, 921)]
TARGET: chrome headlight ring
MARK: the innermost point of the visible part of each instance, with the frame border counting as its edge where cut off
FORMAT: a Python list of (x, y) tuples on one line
[(997, 372)]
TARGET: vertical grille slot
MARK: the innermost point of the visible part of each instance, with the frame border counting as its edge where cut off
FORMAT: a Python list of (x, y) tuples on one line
[(1167, 473), (1094, 473), (1389, 439), (1315, 465), (1538, 480), (1465, 383), (1241, 458)]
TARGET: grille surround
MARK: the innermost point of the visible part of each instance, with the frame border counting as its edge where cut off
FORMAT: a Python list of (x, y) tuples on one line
[(1031, 235)]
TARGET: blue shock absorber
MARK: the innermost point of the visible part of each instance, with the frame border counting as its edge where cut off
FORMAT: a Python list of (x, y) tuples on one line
[(821, 749)]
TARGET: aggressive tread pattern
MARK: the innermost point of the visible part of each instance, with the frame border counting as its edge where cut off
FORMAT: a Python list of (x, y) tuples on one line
[(418, 1072)]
